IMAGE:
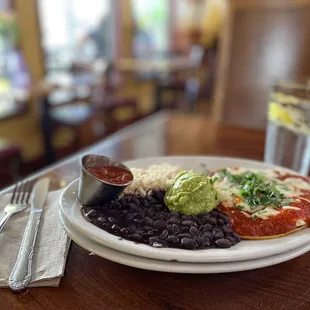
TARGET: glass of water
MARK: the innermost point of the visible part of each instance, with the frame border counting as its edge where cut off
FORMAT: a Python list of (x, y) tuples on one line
[(288, 132)]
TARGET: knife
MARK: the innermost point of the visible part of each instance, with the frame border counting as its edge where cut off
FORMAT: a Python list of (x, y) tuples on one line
[(21, 272)]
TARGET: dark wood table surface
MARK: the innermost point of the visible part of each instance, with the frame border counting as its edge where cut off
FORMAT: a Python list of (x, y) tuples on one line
[(91, 282)]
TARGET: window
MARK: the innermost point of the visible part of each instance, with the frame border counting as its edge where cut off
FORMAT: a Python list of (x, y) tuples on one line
[(75, 30), (151, 26)]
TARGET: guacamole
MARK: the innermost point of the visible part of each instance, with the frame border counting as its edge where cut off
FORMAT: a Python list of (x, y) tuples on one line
[(191, 193)]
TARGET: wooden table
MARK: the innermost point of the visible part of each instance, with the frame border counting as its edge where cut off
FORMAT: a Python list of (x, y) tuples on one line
[(91, 282), (156, 69), (156, 65)]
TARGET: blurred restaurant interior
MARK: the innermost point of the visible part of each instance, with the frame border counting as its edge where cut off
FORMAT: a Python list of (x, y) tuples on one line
[(73, 73)]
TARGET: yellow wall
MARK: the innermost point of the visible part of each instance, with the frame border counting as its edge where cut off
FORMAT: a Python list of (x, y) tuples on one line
[(25, 130)]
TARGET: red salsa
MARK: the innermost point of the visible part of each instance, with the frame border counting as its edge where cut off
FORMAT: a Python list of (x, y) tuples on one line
[(111, 174)]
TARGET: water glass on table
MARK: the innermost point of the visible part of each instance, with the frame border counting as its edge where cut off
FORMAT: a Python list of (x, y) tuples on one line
[(288, 132)]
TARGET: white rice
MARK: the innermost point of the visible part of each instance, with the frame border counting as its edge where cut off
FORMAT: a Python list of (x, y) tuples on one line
[(156, 177)]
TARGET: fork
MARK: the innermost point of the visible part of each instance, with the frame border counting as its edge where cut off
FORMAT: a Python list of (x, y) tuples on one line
[(19, 201)]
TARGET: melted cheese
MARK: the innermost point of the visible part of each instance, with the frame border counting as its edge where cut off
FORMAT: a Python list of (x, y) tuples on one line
[(300, 223), (290, 208), (265, 213), (229, 193)]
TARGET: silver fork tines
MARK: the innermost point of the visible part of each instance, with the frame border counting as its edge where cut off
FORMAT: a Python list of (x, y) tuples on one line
[(19, 200)]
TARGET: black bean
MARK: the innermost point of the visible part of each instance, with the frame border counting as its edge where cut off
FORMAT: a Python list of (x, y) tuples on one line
[(128, 198), (194, 218), (145, 202), (231, 239), (206, 227), (188, 243), (124, 231), (149, 213), (214, 213), (207, 234), (193, 230), (188, 235), (85, 210), (206, 241), (211, 220), (224, 217), (139, 216), (220, 222), (133, 207), (237, 237), (147, 221), (91, 213), (136, 201), (158, 207), (199, 222), (173, 239), (175, 229), (187, 223), (136, 236), (159, 224), (223, 243), (204, 215), (160, 216), (130, 216), (170, 229), (184, 228), (147, 228), (164, 234), (159, 196), (199, 240), (158, 244), (174, 214), (132, 228), (102, 219), (153, 239), (112, 219), (227, 229), (186, 217), (122, 202), (150, 198), (174, 220), (152, 232), (218, 235), (115, 227)]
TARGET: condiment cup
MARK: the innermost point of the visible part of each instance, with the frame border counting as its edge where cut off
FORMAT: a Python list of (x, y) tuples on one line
[(93, 191)]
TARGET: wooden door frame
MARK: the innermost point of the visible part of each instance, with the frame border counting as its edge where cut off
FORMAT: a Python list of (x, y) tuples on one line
[(225, 44)]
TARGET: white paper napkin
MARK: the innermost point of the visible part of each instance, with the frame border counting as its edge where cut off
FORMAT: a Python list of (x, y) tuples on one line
[(51, 246)]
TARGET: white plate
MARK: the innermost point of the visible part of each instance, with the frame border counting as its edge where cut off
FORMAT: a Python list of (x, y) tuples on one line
[(176, 267), (245, 250)]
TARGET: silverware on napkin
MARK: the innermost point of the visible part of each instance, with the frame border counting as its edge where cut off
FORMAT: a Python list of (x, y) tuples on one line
[(18, 202), (20, 276)]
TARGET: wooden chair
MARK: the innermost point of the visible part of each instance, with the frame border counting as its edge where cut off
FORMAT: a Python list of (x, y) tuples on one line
[(261, 41), (70, 118)]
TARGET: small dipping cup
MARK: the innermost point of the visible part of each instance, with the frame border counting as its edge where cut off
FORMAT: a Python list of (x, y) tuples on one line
[(93, 191)]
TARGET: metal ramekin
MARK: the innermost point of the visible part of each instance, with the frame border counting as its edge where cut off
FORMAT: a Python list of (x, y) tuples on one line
[(93, 191)]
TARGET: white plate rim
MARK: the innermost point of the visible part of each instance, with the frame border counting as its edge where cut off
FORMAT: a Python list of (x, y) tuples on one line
[(213, 255), (177, 267)]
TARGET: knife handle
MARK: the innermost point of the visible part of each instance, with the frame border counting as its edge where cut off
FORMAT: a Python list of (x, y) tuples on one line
[(21, 273)]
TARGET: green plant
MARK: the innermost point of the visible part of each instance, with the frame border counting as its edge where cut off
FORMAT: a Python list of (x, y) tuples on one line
[(9, 29)]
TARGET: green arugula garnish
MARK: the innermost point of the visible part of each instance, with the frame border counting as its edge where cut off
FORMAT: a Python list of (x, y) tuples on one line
[(287, 202), (255, 190)]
